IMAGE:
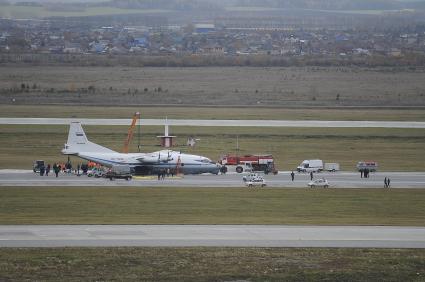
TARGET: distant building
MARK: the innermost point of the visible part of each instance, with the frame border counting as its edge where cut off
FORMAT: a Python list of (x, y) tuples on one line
[(72, 48), (141, 42), (204, 28)]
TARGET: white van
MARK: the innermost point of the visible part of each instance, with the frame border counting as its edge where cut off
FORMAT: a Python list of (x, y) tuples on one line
[(310, 166)]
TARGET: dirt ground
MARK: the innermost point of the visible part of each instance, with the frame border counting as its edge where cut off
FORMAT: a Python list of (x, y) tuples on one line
[(231, 86)]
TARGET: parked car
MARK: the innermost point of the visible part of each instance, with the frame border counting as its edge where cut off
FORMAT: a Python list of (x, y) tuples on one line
[(96, 172), (258, 181), (113, 175), (119, 171), (321, 182), (250, 176), (37, 165)]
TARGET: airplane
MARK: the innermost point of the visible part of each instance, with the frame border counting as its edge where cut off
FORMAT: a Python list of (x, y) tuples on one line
[(140, 163)]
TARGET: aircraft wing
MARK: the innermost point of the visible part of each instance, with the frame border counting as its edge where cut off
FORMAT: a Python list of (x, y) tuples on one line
[(156, 157)]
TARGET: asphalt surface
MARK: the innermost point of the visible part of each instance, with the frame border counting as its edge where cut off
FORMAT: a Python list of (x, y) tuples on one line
[(211, 235), (282, 180), (195, 122)]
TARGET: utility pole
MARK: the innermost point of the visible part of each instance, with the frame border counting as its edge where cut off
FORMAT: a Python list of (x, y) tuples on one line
[(138, 136)]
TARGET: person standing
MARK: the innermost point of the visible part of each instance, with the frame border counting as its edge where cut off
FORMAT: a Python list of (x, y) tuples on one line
[(78, 170), (385, 183), (42, 170), (361, 173), (388, 182), (292, 175), (48, 170), (56, 169), (311, 175)]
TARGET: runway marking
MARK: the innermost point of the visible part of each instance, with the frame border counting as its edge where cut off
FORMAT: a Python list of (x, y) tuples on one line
[(144, 177), (153, 177)]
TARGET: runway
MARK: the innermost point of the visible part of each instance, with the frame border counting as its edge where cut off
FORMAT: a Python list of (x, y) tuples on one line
[(27, 178), (211, 235), (236, 123)]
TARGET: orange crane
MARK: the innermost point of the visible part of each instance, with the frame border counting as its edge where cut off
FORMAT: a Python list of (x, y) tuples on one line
[(136, 117)]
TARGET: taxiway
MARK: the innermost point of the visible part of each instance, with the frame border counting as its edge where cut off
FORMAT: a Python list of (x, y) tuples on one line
[(27, 178), (211, 235), (236, 123)]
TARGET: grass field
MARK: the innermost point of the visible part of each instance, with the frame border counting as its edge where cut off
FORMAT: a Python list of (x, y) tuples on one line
[(144, 205), (231, 86), (58, 111), (211, 264), (394, 149)]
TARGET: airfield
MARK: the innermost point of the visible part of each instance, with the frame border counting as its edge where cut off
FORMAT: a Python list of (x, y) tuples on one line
[(27, 178), (197, 214)]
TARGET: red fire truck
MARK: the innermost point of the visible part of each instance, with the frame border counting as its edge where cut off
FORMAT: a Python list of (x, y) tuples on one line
[(263, 163)]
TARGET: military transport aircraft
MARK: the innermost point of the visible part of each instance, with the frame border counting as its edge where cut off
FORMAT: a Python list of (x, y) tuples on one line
[(140, 163)]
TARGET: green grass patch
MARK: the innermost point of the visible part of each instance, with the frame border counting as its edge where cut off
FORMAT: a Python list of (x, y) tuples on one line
[(72, 205), (394, 149), (238, 113), (211, 264)]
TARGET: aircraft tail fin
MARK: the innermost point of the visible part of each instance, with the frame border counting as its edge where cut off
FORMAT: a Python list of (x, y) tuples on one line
[(78, 142)]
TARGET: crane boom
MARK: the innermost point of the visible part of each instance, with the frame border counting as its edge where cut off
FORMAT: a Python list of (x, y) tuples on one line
[(136, 116)]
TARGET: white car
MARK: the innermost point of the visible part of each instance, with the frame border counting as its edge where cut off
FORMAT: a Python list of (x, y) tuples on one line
[(258, 181), (250, 176), (96, 172), (321, 182)]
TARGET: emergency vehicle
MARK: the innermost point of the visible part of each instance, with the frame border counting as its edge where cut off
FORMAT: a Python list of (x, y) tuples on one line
[(249, 163)]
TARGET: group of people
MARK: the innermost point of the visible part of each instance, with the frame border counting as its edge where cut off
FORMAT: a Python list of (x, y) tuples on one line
[(45, 170), (65, 168), (364, 173), (163, 172)]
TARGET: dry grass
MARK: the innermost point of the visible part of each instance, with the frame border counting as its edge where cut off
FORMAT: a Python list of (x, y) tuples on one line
[(211, 264), (284, 87)]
